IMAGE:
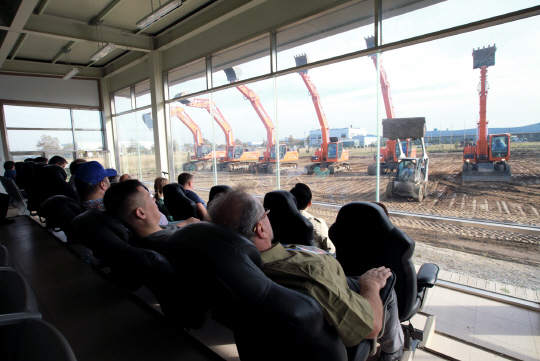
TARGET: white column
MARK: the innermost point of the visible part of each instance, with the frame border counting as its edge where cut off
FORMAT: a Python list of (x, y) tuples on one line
[(110, 141), (158, 111)]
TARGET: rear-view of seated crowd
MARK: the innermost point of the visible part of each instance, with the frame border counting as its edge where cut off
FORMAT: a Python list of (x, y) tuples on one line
[(355, 307)]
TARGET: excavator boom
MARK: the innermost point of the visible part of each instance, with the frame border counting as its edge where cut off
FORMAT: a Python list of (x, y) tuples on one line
[(188, 122)]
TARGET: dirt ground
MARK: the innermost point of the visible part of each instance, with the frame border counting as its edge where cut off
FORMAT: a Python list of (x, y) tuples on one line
[(517, 202)]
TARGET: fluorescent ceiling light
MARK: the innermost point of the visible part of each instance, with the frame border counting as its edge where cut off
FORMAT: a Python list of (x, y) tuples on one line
[(158, 14), (102, 52), (71, 73)]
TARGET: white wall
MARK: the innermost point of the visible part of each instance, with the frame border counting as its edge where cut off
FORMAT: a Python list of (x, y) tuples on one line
[(49, 90)]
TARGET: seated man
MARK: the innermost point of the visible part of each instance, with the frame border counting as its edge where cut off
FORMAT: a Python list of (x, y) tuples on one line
[(125, 177), (59, 161), (9, 170), (91, 181), (131, 202), (407, 171), (73, 166), (498, 146), (350, 304), (303, 196), (186, 181)]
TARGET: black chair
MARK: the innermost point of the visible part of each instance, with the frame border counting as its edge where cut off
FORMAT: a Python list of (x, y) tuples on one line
[(33, 340), (16, 295), (270, 322), (5, 258), (289, 226), (214, 191), (59, 211), (54, 183), (19, 180), (179, 206), (135, 267), (15, 197), (365, 238), (29, 185)]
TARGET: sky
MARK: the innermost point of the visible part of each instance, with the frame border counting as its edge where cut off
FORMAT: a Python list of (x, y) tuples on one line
[(434, 80)]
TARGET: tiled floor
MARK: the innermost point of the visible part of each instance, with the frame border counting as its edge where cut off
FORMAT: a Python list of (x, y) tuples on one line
[(503, 328)]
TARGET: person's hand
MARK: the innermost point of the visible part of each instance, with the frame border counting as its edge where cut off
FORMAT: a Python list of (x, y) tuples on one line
[(375, 277), (188, 221)]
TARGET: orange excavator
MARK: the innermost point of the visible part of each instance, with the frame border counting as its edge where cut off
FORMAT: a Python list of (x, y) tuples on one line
[(395, 148), (288, 159), (487, 160), (203, 152), (236, 157), (332, 154)]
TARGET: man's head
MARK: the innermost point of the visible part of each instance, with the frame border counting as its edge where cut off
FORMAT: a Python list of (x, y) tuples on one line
[(409, 165), (9, 165), (59, 161), (92, 180), (125, 177), (243, 213), (73, 166), (133, 204), (497, 140), (185, 180), (303, 195)]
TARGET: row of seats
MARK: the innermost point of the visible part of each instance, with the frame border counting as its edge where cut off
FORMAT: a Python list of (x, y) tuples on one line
[(23, 335)]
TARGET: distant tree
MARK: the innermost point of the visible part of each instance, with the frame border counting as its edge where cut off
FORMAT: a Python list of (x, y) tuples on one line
[(175, 146), (456, 144), (48, 142), (206, 141), (68, 146), (291, 140), (238, 142), (245, 145), (132, 148)]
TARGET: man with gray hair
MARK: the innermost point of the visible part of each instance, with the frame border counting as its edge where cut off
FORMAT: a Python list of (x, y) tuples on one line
[(350, 304)]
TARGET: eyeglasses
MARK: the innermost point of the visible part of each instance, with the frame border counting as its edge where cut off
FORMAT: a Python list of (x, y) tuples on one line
[(266, 211)]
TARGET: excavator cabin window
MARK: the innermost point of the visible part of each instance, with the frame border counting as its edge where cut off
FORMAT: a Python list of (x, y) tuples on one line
[(238, 151), (332, 150), (203, 150), (499, 148)]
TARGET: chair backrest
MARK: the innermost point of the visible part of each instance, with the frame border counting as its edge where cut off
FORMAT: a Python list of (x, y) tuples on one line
[(135, 267), (288, 224), (20, 179), (29, 185), (179, 206), (225, 270), (5, 258), (53, 183), (59, 211), (16, 198), (365, 238), (214, 191), (34, 340), (16, 295)]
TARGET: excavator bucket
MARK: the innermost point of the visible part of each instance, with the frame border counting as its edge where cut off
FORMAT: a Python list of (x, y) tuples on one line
[(301, 59), (183, 94), (370, 42), (233, 73), (404, 128), (484, 57)]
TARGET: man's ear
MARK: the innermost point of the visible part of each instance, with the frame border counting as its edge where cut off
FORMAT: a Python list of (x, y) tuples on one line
[(139, 213)]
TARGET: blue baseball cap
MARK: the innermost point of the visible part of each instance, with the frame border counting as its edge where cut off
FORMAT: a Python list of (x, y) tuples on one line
[(91, 173)]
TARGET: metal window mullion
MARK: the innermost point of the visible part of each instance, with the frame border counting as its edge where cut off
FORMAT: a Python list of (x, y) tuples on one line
[(56, 129), (133, 110), (168, 128), (132, 95), (3, 133), (73, 136), (273, 52), (209, 78)]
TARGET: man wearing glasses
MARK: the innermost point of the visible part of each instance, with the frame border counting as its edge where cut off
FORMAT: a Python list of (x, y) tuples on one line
[(350, 304)]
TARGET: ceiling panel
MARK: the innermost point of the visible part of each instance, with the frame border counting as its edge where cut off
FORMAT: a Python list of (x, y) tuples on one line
[(82, 10), (41, 48)]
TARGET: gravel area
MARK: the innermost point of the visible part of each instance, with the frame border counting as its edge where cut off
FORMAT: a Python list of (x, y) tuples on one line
[(478, 266)]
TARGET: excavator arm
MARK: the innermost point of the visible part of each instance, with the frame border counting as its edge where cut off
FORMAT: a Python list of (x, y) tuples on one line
[(188, 122), (224, 125), (233, 75)]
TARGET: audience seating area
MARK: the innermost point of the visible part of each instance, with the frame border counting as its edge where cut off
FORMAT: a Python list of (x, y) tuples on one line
[(205, 271)]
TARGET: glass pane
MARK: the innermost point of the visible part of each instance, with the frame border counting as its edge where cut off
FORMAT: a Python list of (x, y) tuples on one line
[(136, 146), (34, 117), (91, 140), (142, 94), (21, 158), (103, 157), (188, 78), (250, 134), (335, 32), (422, 17), (122, 100), (87, 119), (24, 140), (250, 59)]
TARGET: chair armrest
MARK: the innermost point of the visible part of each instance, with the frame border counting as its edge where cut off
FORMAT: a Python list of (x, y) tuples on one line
[(387, 289), (11, 318), (427, 275)]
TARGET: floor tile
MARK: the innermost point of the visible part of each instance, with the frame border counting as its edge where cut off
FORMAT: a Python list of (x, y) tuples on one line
[(466, 335), (455, 298), (479, 355), (456, 316), (501, 310), (534, 317), (506, 348), (451, 348), (420, 355), (536, 335), (504, 331)]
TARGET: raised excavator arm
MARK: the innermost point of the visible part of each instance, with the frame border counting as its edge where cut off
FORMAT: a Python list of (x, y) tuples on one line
[(224, 125), (194, 128), (233, 74), (315, 97), (385, 85)]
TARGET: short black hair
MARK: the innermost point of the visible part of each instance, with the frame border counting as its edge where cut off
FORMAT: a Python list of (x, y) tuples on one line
[(118, 197), (184, 178), (9, 165), (303, 195), (41, 160), (58, 160), (73, 166)]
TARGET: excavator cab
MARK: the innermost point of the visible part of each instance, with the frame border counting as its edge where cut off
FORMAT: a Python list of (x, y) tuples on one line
[(282, 152), (499, 145), (235, 152), (203, 151)]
